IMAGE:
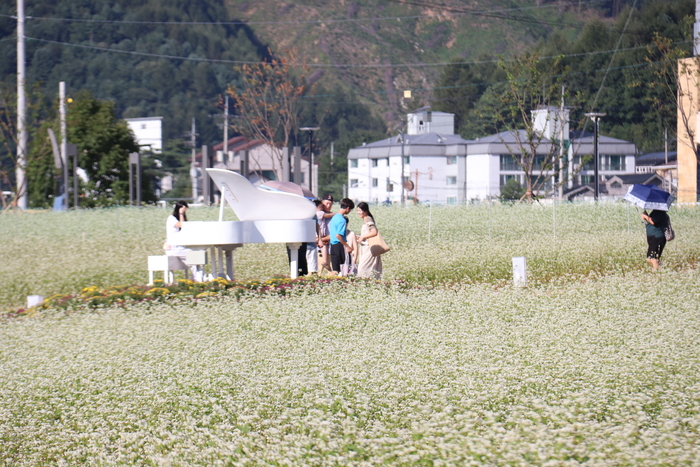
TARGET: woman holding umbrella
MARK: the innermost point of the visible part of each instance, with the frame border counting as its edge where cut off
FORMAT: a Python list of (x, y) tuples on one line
[(652, 197), (656, 223)]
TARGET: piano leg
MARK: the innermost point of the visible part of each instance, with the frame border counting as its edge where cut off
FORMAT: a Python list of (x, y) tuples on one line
[(213, 262), (220, 263), (229, 264), (294, 259)]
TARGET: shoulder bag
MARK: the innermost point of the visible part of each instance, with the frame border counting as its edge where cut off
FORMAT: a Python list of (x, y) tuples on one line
[(668, 232), (377, 245)]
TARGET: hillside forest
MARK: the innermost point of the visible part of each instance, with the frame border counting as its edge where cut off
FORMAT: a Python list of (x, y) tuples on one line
[(176, 59)]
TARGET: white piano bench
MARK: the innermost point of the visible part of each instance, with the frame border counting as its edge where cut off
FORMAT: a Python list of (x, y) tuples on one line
[(167, 264)]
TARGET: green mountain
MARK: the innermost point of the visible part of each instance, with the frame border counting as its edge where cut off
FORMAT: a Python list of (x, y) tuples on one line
[(175, 58), (379, 48)]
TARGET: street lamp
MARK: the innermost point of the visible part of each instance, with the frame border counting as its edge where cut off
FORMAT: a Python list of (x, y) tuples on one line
[(311, 130), (595, 116)]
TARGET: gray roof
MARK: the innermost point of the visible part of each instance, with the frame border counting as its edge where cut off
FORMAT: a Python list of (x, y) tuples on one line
[(505, 142), (606, 145), (642, 179), (426, 144), (656, 158)]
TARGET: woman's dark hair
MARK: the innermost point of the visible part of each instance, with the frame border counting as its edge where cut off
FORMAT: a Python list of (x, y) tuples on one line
[(176, 211), (365, 208)]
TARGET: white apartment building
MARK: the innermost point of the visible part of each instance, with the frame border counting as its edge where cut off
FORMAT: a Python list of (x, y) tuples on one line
[(444, 168)]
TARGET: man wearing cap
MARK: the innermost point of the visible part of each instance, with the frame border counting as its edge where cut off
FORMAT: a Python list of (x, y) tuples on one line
[(323, 217)]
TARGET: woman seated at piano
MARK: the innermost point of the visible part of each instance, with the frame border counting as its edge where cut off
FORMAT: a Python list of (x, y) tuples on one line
[(172, 227)]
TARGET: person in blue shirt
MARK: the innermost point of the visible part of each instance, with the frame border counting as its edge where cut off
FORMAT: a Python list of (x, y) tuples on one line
[(339, 241)]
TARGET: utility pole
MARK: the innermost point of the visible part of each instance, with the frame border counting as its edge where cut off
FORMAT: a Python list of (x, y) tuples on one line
[(311, 152), (561, 146), (330, 178), (64, 138), (225, 148), (403, 158), (595, 116), (21, 193), (193, 168)]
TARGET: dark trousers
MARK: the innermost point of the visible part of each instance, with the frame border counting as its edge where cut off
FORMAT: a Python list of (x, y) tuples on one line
[(337, 256)]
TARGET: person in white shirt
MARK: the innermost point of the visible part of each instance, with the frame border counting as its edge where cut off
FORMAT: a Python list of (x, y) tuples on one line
[(172, 227)]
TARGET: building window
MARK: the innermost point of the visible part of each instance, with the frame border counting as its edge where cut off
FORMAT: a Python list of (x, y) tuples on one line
[(353, 163), (505, 178), (389, 187), (617, 163), (375, 162), (544, 185), (539, 162), (354, 183), (508, 162), (451, 160), (452, 200), (451, 180), (585, 162), (407, 159), (271, 175), (387, 162), (375, 181)]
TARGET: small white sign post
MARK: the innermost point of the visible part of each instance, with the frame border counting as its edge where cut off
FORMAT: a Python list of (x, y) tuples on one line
[(33, 300), (519, 271)]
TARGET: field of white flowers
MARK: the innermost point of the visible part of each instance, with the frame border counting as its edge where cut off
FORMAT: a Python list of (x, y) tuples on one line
[(596, 372), (46, 253), (596, 363)]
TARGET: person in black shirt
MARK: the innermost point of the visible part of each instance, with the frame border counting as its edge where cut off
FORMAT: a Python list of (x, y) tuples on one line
[(656, 222)]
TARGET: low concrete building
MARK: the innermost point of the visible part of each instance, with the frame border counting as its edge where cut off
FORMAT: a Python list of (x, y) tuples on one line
[(447, 169)]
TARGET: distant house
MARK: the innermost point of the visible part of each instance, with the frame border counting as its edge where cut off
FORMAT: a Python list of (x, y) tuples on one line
[(258, 162), (444, 168), (663, 164), (148, 132), (614, 186)]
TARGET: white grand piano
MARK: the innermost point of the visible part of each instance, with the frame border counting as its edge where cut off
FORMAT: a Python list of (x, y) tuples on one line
[(264, 217)]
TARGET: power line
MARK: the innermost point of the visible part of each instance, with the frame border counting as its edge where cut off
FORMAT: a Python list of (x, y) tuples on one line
[(145, 54), (488, 13), (619, 41), (322, 65)]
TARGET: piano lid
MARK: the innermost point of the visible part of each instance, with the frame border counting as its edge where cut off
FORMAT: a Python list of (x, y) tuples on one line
[(251, 203)]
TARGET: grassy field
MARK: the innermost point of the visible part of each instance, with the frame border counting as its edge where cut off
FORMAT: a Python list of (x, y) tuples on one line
[(596, 363)]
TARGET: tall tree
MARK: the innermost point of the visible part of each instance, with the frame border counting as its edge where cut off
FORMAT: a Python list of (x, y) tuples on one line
[(268, 100), (531, 85), (35, 118), (104, 143)]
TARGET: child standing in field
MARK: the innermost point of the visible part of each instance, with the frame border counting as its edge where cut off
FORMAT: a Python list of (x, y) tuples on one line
[(338, 236)]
